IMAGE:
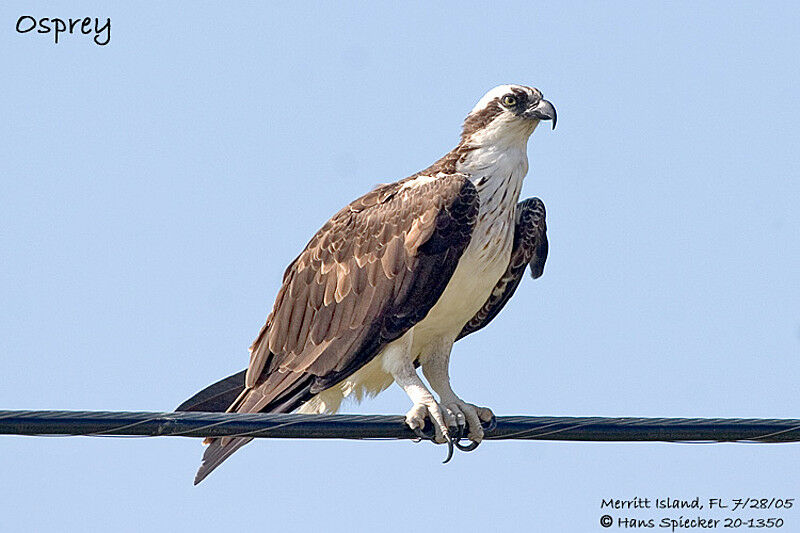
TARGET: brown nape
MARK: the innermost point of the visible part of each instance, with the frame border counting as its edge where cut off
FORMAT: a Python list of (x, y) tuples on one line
[(446, 164), (479, 120), (473, 123)]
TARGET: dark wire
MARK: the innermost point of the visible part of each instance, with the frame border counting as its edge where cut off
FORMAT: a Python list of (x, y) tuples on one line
[(198, 424)]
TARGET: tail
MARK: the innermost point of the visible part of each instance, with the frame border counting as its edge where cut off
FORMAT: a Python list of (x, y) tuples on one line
[(217, 452), (219, 449), (278, 393), (218, 397)]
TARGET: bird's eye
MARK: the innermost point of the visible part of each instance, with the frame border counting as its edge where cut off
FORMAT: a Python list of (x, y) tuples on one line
[(509, 100)]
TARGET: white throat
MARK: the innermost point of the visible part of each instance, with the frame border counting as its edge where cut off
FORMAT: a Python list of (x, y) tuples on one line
[(499, 162)]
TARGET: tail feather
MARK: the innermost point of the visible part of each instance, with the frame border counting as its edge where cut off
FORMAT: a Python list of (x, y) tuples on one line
[(218, 397), (281, 392), (216, 453)]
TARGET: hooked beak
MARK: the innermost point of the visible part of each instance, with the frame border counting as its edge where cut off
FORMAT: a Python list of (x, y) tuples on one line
[(544, 110)]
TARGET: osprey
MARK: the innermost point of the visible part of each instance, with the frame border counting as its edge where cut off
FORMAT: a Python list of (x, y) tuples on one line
[(394, 279)]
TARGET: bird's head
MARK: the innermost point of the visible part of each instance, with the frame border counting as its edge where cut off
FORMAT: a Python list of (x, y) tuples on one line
[(507, 114)]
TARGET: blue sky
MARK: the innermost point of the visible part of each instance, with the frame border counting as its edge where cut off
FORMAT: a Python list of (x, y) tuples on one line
[(154, 189)]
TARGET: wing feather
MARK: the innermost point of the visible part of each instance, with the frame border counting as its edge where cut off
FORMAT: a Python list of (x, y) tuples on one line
[(371, 257), (529, 249), (372, 272), (321, 325)]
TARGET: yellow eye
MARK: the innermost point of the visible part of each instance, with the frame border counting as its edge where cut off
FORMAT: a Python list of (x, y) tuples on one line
[(509, 100)]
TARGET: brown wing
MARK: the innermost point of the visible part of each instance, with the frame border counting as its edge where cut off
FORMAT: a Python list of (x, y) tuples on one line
[(372, 272), (530, 248)]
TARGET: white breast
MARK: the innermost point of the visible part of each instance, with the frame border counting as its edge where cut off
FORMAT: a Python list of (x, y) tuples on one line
[(498, 175)]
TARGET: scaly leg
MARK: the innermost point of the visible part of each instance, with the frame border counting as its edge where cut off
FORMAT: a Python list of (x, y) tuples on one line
[(398, 362), (436, 370)]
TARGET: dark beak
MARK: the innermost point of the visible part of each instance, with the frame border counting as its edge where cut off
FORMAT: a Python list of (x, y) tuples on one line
[(544, 110)]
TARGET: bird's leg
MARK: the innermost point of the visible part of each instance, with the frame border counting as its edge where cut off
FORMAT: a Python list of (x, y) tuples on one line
[(436, 371), (425, 406), (398, 362)]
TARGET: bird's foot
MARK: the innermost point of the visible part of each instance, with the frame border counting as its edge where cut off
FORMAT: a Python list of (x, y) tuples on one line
[(429, 409), (472, 421), (450, 422)]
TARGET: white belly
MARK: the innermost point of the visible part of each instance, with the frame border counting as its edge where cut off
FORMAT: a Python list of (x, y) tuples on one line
[(483, 262), (481, 265)]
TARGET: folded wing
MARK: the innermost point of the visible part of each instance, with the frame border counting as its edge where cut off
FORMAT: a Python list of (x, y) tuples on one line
[(372, 272), (530, 249)]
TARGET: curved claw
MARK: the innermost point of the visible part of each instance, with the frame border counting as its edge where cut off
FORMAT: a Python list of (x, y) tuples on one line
[(449, 450), (457, 432), (469, 447), (487, 426), (465, 448)]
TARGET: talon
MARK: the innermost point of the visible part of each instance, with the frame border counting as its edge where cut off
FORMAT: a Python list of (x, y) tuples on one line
[(469, 447), (449, 449)]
